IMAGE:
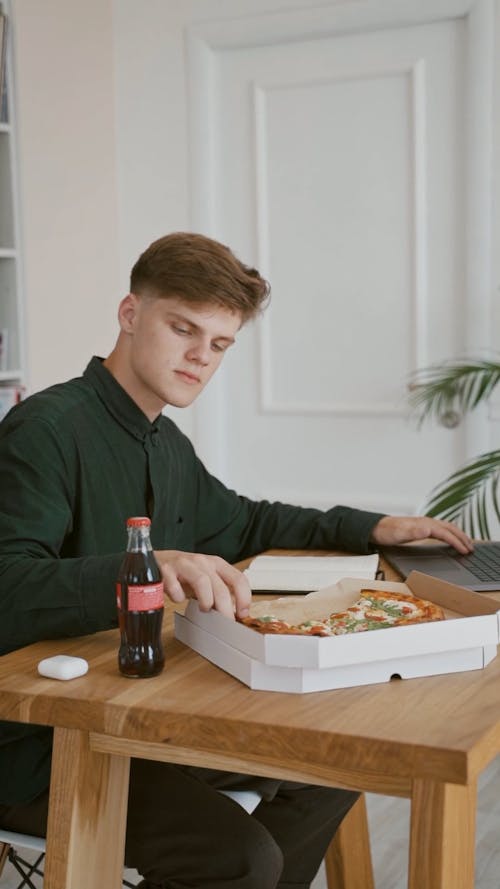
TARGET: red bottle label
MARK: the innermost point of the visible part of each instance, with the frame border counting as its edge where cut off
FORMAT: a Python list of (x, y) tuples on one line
[(142, 597)]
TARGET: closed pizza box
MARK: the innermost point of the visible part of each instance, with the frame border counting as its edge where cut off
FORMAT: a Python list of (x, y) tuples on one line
[(472, 624)]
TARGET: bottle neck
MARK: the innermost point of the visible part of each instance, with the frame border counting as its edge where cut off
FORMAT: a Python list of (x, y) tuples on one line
[(139, 540)]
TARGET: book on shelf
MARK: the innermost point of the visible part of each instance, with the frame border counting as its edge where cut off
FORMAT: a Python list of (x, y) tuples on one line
[(9, 397), (4, 112), (4, 104)]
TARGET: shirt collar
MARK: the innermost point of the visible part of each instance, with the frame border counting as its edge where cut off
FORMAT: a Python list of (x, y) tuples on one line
[(117, 401)]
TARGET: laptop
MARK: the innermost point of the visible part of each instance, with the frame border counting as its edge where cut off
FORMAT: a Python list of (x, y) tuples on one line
[(479, 571)]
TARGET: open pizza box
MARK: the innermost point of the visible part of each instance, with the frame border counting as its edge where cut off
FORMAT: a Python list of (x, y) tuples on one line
[(466, 640)]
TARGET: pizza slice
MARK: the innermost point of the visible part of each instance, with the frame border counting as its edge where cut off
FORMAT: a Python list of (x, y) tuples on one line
[(377, 609), (374, 610)]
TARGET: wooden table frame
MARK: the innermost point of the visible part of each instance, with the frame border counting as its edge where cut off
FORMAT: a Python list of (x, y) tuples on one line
[(426, 739), (90, 785)]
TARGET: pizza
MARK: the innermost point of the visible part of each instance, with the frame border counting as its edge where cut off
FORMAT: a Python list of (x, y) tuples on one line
[(374, 610)]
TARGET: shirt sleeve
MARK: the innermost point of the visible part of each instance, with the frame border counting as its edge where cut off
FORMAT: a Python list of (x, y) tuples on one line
[(236, 527), (42, 594)]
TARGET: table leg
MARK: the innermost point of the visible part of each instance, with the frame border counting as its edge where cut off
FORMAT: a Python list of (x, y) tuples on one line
[(348, 862), (87, 815), (442, 835)]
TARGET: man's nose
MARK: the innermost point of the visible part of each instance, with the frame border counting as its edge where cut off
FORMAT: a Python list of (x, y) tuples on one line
[(200, 352)]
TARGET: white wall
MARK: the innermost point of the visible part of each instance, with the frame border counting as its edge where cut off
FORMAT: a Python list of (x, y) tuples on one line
[(65, 109), (101, 175)]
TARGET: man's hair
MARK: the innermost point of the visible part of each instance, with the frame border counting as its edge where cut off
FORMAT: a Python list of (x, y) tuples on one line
[(199, 270)]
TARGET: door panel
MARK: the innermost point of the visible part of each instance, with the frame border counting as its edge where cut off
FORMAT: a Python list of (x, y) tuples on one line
[(338, 170)]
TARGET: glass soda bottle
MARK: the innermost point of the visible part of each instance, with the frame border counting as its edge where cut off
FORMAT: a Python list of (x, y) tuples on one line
[(139, 596)]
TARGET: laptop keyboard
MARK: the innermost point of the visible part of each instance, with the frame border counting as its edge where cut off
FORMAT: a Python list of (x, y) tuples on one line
[(484, 562)]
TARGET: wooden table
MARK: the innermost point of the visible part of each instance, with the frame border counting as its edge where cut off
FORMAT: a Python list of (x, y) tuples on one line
[(427, 739)]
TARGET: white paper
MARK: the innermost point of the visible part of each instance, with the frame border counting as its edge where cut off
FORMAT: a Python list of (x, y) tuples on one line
[(306, 573)]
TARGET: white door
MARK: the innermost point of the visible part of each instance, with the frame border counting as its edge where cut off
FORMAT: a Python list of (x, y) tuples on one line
[(341, 150)]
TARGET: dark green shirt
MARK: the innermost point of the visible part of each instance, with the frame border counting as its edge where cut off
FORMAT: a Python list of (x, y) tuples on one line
[(75, 461)]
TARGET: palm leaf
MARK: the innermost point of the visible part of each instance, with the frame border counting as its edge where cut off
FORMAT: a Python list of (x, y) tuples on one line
[(469, 495), (453, 386)]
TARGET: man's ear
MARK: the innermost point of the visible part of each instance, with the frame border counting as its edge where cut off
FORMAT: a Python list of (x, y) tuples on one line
[(127, 312)]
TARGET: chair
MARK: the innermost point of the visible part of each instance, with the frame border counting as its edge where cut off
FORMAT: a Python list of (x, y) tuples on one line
[(347, 860), (10, 842)]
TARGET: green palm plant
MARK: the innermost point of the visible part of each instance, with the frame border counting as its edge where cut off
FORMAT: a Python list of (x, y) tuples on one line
[(446, 392)]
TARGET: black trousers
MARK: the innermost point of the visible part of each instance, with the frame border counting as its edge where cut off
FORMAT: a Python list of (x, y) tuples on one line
[(183, 834)]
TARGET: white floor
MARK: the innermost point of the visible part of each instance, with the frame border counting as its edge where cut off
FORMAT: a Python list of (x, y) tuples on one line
[(389, 826)]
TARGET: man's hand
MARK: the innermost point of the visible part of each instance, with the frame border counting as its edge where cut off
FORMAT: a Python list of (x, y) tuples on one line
[(209, 579), (404, 529)]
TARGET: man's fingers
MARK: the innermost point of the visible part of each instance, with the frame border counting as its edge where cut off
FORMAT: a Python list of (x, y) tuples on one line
[(221, 587), (211, 592), (453, 535), (211, 580), (404, 529), (171, 584), (222, 599), (239, 585)]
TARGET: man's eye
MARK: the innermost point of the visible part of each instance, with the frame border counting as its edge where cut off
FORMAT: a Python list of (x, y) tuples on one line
[(219, 347), (178, 329)]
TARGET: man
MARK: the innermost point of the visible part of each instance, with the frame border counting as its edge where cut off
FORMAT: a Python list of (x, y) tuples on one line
[(79, 458)]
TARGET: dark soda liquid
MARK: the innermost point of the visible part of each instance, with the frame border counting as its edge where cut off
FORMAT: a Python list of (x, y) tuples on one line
[(141, 650)]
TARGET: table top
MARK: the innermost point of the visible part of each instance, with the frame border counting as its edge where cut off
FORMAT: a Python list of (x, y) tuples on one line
[(442, 727)]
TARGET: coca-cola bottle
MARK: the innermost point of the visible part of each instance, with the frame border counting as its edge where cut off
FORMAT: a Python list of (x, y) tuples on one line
[(139, 595)]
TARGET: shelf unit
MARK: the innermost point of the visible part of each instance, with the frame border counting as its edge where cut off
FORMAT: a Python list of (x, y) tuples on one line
[(12, 354)]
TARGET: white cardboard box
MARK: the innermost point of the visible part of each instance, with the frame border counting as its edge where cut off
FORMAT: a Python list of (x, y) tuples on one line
[(466, 640)]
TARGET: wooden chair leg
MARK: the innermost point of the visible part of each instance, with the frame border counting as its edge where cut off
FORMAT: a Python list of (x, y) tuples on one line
[(4, 852), (348, 861)]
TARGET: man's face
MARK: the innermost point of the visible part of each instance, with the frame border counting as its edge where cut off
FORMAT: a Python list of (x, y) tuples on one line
[(174, 347)]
